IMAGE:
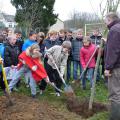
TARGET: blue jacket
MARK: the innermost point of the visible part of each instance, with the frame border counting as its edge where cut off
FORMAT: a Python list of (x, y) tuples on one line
[(2, 50), (27, 44), (1, 53), (48, 43)]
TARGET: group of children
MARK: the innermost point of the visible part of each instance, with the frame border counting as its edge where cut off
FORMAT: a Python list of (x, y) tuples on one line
[(58, 48)]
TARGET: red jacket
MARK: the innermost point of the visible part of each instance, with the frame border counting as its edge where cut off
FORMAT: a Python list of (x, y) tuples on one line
[(35, 65), (85, 54)]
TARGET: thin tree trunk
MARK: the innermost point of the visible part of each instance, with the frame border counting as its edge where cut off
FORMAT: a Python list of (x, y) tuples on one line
[(95, 76)]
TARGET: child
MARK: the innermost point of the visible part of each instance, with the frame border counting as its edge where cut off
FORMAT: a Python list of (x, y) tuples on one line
[(40, 39), (19, 41), (30, 41), (29, 61), (48, 43), (11, 52), (2, 85), (85, 53), (59, 55), (69, 37), (76, 46), (61, 36)]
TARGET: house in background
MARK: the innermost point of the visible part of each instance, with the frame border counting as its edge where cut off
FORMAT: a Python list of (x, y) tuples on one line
[(7, 20), (57, 26)]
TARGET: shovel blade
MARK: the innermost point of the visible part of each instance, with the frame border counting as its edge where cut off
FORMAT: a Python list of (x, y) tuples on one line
[(69, 91)]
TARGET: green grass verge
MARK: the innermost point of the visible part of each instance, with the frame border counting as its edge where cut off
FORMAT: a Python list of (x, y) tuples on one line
[(101, 95)]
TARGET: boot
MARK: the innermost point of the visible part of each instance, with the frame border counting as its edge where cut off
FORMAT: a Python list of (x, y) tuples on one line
[(115, 111)]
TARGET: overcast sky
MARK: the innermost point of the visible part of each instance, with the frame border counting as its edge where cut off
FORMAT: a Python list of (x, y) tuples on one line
[(63, 7)]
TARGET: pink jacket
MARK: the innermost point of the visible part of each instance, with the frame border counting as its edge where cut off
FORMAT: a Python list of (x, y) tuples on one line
[(85, 54)]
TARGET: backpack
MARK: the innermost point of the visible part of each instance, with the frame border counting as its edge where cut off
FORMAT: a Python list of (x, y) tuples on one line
[(2, 47)]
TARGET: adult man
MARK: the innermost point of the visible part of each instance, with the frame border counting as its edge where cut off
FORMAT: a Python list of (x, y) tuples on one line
[(112, 63)]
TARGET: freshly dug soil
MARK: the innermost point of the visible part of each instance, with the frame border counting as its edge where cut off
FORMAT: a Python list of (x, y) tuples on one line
[(27, 108), (81, 107)]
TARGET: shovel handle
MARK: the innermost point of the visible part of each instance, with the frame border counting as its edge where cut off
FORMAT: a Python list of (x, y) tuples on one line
[(59, 74), (55, 87), (88, 63), (5, 79)]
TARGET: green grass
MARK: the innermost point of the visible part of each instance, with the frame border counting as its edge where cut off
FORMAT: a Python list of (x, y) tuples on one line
[(101, 95), (100, 116)]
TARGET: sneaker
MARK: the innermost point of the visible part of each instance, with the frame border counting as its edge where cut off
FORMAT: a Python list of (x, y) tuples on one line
[(15, 89), (84, 88), (73, 81), (41, 92), (57, 94), (33, 96), (27, 86)]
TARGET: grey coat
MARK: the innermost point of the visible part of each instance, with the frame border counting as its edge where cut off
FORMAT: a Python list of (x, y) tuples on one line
[(59, 57)]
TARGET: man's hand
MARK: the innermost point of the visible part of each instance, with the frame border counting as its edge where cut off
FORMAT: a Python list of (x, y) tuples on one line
[(107, 73), (104, 39)]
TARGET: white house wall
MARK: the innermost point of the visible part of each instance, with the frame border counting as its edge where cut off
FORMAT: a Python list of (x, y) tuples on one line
[(57, 26)]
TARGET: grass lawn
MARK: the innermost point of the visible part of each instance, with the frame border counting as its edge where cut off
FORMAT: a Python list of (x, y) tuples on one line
[(49, 96)]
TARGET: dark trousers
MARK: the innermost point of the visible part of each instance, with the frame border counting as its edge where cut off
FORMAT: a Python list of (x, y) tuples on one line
[(43, 84), (2, 85), (69, 64), (53, 76), (115, 111)]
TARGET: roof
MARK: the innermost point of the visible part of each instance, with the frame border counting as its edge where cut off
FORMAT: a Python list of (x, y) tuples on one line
[(60, 20), (9, 18)]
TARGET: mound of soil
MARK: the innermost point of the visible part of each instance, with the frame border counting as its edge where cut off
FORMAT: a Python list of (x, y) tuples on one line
[(81, 107), (26, 108)]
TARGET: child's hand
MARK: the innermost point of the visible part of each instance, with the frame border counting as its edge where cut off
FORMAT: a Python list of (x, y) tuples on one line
[(34, 68), (47, 79), (1, 60), (61, 75), (51, 59), (13, 67)]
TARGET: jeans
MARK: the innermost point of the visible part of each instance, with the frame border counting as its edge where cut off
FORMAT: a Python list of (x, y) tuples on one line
[(98, 75), (90, 72), (17, 76), (69, 69), (76, 67), (27, 78)]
